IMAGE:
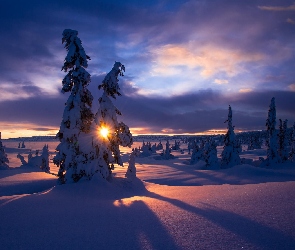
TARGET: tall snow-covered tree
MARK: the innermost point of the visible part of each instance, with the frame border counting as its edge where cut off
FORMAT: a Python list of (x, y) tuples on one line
[(115, 133), (3, 156), (272, 156), (77, 115), (230, 154), (283, 141)]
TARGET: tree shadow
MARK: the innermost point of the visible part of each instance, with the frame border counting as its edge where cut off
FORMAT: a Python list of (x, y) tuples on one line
[(64, 219), (238, 175), (251, 231)]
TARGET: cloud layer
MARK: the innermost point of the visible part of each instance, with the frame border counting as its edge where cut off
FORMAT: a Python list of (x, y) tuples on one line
[(185, 61)]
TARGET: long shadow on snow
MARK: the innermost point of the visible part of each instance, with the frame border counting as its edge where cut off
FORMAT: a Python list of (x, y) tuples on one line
[(238, 175), (253, 232), (83, 216)]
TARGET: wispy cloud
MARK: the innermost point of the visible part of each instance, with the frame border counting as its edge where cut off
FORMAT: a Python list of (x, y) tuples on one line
[(220, 81), (278, 8), (292, 87), (209, 59), (289, 20), (247, 90)]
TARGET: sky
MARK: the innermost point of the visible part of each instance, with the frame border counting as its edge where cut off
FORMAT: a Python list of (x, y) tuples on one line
[(186, 62)]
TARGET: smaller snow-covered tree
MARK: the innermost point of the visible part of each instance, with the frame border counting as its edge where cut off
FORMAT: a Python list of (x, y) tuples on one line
[(271, 142), (210, 154), (30, 155), (159, 146), (283, 141), (251, 143), (176, 145), (45, 159), (3, 157), (118, 133), (230, 154), (196, 153), (154, 148), (166, 155), (292, 151), (131, 171)]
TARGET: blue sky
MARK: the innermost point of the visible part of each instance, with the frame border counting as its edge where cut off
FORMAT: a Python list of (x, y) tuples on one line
[(186, 61)]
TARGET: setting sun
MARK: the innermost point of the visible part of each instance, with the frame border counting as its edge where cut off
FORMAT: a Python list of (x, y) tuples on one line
[(104, 132)]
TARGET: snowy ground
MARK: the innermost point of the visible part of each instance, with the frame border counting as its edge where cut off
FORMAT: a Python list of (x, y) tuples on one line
[(172, 205)]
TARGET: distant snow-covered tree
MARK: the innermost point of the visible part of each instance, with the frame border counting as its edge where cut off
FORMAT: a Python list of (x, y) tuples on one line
[(166, 155), (30, 155), (176, 145), (230, 154), (71, 157), (117, 133), (272, 156), (3, 157), (292, 151), (159, 146), (283, 141), (196, 152)]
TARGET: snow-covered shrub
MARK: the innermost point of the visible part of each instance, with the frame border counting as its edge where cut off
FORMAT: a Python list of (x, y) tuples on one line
[(231, 149), (71, 158), (22, 159)]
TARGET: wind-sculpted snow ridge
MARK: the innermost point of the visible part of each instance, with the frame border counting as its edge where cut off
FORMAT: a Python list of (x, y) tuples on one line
[(25, 181)]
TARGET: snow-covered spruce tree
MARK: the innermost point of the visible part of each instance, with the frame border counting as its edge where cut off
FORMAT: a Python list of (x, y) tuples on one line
[(196, 152), (166, 155), (272, 156), (45, 159), (77, 115), (3, 157), (230, 154), (118, 133), (283, 141), (210, 154), (131, 171), (292, 151)]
